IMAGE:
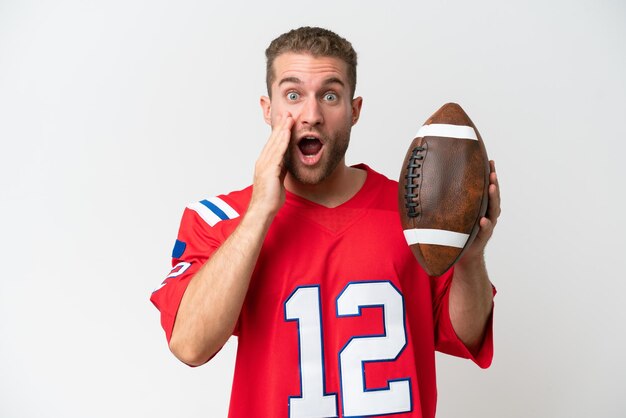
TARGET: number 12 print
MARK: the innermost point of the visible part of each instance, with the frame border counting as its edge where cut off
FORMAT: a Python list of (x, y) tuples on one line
[(304, 306)]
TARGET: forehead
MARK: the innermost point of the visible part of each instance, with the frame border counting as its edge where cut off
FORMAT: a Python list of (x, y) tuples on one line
[(308, 68)]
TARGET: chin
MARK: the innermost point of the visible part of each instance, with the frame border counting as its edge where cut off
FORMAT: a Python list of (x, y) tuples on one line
[(308, 176)]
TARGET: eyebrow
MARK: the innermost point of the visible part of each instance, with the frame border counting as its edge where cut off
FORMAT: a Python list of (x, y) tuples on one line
[(296, 80), (334, 80)]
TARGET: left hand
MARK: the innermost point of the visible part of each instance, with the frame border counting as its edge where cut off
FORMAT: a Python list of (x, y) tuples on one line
[(487, 222)]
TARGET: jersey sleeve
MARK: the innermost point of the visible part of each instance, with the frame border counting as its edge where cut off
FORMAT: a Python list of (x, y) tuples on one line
[(199, 236), (446, 339)]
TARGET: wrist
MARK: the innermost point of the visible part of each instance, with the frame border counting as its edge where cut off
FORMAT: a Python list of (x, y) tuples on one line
[(471, 261), (259, 215)]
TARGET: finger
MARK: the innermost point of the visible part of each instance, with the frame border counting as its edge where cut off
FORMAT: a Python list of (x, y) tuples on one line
[(283, 173), (486, 229), (270, 140), (493, 176), (271, 160), (279, 138), (493, 209), (285, 132), (282, 130)]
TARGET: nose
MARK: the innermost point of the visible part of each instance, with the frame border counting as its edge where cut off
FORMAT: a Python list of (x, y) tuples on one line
[(311, 113)]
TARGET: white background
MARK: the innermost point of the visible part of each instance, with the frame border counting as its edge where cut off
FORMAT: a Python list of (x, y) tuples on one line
[(114, 115)]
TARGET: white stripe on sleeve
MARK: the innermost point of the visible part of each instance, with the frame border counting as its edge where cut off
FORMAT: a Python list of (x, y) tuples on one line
[(205, 213), (225, 207)]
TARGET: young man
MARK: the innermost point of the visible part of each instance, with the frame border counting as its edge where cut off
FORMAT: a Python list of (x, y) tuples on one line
[(310, 269)]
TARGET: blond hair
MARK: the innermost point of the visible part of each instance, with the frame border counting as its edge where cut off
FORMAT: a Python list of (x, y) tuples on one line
[(318, 42)]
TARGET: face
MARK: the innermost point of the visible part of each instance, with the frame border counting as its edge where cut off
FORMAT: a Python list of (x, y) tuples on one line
[(315, 91)]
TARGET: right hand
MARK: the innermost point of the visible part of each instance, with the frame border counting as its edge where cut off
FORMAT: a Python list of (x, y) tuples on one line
[(268, 193)]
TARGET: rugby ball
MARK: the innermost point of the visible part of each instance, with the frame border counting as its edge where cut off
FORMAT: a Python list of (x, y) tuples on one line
[(443, 188)]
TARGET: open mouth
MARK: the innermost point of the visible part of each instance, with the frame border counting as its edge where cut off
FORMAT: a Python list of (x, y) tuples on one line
[(309, 146)]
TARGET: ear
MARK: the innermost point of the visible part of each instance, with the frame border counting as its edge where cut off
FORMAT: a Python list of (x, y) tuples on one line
[(357, 102), (266, 105)]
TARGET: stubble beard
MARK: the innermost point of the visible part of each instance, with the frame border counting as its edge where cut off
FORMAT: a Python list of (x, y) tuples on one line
[(334, 152)]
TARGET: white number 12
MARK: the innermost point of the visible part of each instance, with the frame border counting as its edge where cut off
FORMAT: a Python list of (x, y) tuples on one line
[(304, 306)]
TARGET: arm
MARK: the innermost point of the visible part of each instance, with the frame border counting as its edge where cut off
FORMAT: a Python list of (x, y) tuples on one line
[(471, 293), (210, 307)]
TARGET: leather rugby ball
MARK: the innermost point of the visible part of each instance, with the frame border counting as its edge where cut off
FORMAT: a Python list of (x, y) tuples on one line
[(443, 188)]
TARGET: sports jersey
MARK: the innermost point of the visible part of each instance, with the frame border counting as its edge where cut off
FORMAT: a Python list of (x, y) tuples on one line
[(339, 318)]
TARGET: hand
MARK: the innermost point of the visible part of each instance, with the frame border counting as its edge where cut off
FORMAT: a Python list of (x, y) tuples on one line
[(268, 192), (487, 223)]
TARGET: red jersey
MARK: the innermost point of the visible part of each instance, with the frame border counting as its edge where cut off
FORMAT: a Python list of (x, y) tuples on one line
[(339, 318)]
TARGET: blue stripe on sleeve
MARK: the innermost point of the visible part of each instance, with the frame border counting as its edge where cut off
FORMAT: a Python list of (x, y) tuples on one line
[(220, 214), (179, 249)]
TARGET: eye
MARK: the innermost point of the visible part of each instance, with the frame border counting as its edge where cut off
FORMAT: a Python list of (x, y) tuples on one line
[(330, 97), (292, 96)]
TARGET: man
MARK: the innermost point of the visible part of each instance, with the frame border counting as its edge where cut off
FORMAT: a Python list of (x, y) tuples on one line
[(310, 269)]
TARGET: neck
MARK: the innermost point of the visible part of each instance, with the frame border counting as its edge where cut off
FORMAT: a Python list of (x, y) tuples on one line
[(336, 189)]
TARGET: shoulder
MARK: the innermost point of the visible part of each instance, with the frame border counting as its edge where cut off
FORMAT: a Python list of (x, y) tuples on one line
[(376, 178), (385, 189), (216, 211)]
